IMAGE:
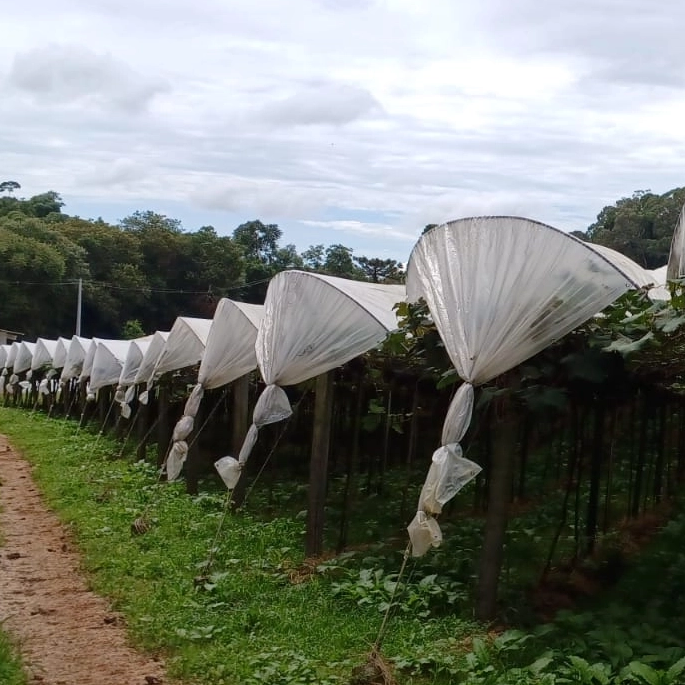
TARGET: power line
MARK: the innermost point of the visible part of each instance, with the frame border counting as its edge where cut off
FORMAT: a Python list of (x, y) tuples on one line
[(147, 289)]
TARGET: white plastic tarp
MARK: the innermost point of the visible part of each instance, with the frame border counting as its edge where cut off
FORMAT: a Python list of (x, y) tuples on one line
[(229, 354), (637, 274), (134, 358), (22, 361), (76, 355), (151, 357), (4, 351), (89, 358), (108, 362), (44, 353), (312, 324), (184, 346), (230, 349), (500, 289), (61, 350), (676, 257), (660, 291)]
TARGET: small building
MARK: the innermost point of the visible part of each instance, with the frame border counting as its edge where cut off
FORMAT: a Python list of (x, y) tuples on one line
[(9, 336)]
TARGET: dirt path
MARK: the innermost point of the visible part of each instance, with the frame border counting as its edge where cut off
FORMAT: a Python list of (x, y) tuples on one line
[(67, 634)]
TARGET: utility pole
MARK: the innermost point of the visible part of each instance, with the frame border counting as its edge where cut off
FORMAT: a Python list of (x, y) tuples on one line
[(78, 306)]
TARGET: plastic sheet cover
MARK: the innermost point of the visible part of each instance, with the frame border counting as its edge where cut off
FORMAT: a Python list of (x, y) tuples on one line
[(12, 355), (134, 358), (637, 274), (61, 350), (151, 357), (230, 350), (89, 358), (660, 290), (22, 361), (76, 355), (676, 257), (500, 289), (312, 324), (184, 346), (108, 362), (44, 353), (4, 352)]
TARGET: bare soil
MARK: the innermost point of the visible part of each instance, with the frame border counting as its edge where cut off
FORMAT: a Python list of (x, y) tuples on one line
[(66, 633)]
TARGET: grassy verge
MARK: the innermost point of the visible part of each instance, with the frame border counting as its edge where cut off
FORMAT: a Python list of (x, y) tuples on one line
[(261, 615), (249, 620), (11, 672)]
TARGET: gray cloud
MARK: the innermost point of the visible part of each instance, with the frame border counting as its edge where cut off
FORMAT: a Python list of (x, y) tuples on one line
[(324, 103), (356, 120), (65, 74)]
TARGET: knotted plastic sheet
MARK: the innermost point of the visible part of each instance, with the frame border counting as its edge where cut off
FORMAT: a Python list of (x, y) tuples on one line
[(312, 324), (500, 289)]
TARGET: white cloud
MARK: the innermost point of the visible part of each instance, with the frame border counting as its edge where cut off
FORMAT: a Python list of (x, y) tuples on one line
[(367, 118), (66, 74), (325, 103)]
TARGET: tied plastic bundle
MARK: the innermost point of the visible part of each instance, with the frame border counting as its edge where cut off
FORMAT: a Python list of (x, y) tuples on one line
[(177, 457), (229, 469)]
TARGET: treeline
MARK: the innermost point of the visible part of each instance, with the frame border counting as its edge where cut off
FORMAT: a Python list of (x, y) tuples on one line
[(140, 274), (144, 271), (640, 226)]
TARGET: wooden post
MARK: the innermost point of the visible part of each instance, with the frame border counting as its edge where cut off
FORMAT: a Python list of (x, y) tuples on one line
[(499, 496), (142, 419), (318, 465), (164, 428), (241, 421)]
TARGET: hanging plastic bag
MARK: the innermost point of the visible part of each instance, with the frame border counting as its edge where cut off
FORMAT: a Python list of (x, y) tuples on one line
[(424, 533), (183, 428), (130, 394), (119, 395), (43, 388), (229, 469), (448, 474), (125, 410), (144, 397), (29, 374), (177, 456), (193, 402)]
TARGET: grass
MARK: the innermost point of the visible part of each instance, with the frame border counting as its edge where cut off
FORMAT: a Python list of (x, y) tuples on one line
[(11, 672), (245, 621), (261, 615)]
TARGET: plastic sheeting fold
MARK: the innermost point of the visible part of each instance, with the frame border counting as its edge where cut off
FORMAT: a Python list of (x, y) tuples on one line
[(76, 355), (44, 353), (24, 357), (108, 362), (312, 324), (499, 289)]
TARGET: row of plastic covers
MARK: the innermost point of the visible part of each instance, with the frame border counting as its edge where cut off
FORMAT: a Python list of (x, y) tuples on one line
[(499, 290)]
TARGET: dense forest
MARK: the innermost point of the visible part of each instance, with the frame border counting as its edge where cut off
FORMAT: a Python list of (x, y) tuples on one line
[(148, 268)]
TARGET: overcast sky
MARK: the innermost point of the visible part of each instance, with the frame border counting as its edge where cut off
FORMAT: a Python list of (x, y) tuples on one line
[(350, 121)]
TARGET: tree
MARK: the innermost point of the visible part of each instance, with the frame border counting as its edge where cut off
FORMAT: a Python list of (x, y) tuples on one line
[(9, 187), (380, 270), (338, 261), (132, 329), (258, 241), (640, 226), (313, 257)]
